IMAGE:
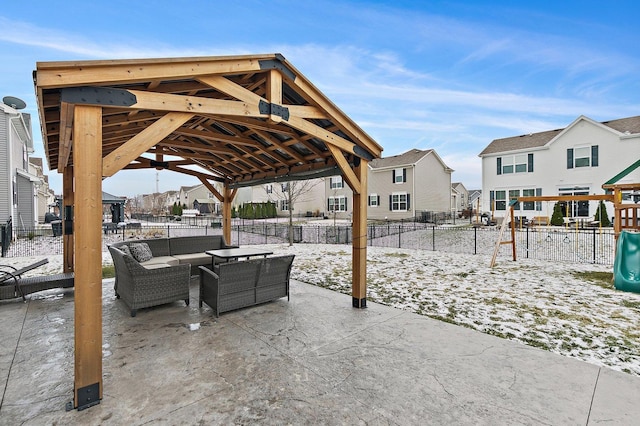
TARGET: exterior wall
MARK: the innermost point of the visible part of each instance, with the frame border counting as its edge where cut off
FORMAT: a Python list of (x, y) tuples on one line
[(345, 191), (460, 197), (26, 212), (6, 177), (550, 173), (433, 191), (381, 184)]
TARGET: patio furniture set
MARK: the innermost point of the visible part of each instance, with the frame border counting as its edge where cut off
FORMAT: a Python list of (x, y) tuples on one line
[(157, 271)]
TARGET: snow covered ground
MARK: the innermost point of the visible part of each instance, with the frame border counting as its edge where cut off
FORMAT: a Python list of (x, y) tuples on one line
[(567, 308)]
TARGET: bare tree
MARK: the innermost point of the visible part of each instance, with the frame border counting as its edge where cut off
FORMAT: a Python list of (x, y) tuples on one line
[(293, 192)]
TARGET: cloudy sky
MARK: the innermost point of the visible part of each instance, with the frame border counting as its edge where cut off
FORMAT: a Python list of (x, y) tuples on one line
[(446, 75)]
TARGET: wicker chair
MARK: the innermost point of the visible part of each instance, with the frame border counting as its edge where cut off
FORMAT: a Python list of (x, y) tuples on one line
[(238, 285), (141, 287)]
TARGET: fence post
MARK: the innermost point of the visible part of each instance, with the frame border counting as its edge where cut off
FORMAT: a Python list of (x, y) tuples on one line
[(475, 240), (594, 244), (400, 235), (433, 238), (527, 248)]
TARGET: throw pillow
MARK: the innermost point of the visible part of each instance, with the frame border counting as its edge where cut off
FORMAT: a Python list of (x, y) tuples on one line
[(125, 249), (141, 252)]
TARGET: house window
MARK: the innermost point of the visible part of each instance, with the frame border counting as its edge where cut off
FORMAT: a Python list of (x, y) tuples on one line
[(284, 187), (528, 205), (583, 156), (513, 195), (520, 163), (399, 202), (501, 200), (284, 205), (374, 200), (336, 182), (399, 176), (269, 189), (337, 204), (574, 208)]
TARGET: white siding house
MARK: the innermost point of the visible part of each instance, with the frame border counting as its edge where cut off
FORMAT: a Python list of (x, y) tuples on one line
[(575, 160)]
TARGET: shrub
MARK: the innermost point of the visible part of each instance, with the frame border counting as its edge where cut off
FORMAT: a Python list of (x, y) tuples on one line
[(601, 214), (556, 217)]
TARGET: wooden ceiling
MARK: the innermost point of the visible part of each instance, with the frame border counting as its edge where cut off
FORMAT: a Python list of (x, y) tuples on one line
[(235, 119)]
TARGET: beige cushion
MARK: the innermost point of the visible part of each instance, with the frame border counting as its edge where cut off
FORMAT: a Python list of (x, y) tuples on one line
[(195, 259), (161, 260)]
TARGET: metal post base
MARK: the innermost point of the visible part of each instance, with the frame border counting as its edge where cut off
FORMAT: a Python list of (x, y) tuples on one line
[(359, 303), (88, 396)]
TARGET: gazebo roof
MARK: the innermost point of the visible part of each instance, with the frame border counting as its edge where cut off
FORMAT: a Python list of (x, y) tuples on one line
[(239, 119)]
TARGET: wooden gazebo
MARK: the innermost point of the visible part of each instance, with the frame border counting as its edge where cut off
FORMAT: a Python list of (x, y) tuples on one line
[(238, 120)]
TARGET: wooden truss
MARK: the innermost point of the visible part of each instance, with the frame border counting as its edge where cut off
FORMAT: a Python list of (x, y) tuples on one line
[(239, 120)]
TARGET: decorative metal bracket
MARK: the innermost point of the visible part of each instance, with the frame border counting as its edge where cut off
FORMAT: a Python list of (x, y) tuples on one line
[(274, 109), (106, 96), (276, 64)]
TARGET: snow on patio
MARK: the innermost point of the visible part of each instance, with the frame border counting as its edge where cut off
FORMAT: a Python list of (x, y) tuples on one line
[(570, 309)]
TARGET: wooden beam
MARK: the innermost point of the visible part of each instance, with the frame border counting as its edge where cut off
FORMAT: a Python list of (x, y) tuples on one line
[(194, 104), (337, 116), (144, 140), (322, 134), (359, 229), (347, 172), (87, 159), (229, 195), (62, 74), (227, 86), (66, 127), (212, 188), (274, 92), (195, 173), (67, 209)]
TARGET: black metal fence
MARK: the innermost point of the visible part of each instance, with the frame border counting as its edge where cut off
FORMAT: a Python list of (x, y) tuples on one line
[(543, 243), (6, 231)]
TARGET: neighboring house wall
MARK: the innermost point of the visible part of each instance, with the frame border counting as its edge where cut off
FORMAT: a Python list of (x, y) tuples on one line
[(576, 160), (6, 176), (308, 196), (406, 185), (338, 198), (459, 197), (15, 145)]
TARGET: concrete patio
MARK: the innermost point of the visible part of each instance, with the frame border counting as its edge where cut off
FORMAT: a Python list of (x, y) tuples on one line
[(312, 360)]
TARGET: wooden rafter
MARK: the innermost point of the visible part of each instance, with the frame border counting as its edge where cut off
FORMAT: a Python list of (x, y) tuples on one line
[(123, 155)]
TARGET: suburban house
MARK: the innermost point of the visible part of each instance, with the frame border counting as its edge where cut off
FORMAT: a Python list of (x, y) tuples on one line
[(475, 200), (307, 196), (18, 187), (415, 184), (575, 160), (459, 197), (46, 198), (187, 196)]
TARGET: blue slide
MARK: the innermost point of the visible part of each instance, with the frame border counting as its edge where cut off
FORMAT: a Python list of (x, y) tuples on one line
[(626, 266)]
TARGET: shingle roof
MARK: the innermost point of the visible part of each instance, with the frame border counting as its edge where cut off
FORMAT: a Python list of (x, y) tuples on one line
[(535, 140), (410, 157)]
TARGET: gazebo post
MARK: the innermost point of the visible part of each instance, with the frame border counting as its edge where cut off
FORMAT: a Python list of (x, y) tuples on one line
[(67, 217), (226, 213), (87, 160), (359, 229)]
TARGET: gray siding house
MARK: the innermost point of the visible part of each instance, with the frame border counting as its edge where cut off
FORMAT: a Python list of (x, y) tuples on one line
[(18, 188)]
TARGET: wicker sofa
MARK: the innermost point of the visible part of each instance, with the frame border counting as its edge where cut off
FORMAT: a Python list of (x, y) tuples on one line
[(165, 277), (246, 283)]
